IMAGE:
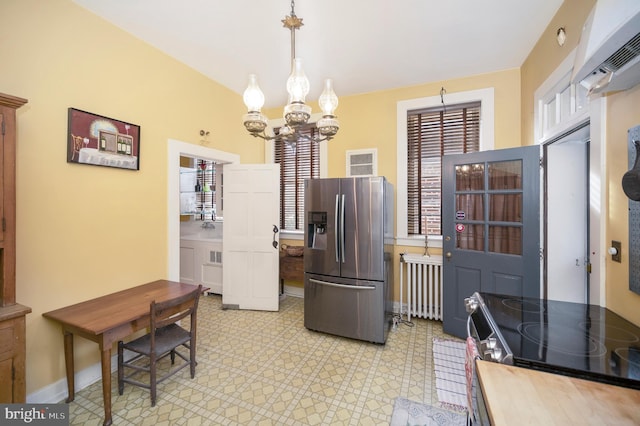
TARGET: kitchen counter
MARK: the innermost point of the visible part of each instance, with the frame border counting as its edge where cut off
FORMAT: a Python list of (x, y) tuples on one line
[(202, 236), (517, 395)]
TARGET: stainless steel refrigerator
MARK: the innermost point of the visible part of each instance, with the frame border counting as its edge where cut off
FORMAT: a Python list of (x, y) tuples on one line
[(348, 251)]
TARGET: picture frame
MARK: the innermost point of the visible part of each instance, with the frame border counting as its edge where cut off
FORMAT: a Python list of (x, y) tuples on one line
[(102, 141)]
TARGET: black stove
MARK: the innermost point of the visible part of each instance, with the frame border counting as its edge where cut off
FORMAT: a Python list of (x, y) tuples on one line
[(574, 339)]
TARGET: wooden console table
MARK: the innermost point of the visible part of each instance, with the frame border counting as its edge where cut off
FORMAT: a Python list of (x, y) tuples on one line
[(291, 269), (107, 319)]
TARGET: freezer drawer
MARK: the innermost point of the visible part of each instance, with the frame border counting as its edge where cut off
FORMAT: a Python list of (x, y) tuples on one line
[(348, 308)]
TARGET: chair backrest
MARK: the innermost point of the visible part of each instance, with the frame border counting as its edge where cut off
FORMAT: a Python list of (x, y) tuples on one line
[(171, 311)]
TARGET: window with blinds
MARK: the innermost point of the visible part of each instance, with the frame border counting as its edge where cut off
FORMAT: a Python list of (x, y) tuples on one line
[(432, 133), (298, 162)]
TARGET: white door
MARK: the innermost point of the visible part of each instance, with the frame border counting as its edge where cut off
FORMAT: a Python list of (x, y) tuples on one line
[(250, 257), (567, 218)]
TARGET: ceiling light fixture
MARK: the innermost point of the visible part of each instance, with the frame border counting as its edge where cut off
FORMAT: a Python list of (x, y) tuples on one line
[(296, 112)]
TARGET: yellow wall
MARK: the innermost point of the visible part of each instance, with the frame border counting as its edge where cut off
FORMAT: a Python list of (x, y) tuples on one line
[(622, 113), (84, 231)]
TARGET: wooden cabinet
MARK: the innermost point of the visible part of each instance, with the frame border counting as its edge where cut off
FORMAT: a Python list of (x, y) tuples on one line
[(292, 268), (12, 315), (13, 353)]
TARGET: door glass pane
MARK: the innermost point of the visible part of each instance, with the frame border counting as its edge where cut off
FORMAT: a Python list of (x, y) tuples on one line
[(470, 237), (469, 207), (470, 177), (505, 239), (505, 175), (550, 110), (505, 207)]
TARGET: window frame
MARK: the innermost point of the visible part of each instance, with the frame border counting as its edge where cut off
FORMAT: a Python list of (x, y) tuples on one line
[(486, 99), (269, 158)]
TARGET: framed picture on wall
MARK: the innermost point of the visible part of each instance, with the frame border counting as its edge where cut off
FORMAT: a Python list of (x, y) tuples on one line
[(102, 141)]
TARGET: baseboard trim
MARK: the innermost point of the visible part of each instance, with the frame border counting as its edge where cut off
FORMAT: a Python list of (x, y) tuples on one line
[(294, 291), (57, 391)]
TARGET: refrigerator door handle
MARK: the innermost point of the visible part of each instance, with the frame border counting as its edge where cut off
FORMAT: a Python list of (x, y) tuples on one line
[(352, 287), (337, 228), (342, 229)]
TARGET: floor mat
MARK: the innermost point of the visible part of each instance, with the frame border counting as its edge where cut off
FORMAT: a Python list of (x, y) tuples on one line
[(448, 359), (412, 413)]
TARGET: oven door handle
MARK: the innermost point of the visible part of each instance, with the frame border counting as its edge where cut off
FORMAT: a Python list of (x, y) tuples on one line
[(469, 326)]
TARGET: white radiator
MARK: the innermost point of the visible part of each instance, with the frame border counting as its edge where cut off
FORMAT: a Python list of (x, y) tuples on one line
[(421, 280)]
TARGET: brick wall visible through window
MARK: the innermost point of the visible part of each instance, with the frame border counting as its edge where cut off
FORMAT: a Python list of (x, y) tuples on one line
[(432, 133)]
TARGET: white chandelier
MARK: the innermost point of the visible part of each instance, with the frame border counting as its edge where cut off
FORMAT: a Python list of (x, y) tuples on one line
[(296, 112)]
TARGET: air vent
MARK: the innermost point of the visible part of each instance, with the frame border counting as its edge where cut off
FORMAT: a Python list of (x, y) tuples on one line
[(608, 56), (362, 162), (624, 55)]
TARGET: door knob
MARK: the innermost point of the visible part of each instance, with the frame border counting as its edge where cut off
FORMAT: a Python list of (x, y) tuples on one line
[(448, 255)]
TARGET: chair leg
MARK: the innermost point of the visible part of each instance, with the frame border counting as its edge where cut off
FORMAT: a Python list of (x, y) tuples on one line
[(120, 368), (173, 356), (152, 380), (192, 357)]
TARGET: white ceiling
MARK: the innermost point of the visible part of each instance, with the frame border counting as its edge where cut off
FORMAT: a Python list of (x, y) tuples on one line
[(364, 45)]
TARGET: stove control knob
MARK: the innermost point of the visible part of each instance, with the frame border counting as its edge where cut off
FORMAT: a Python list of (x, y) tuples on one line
[(494, 354), (471, 304), (490, 342)]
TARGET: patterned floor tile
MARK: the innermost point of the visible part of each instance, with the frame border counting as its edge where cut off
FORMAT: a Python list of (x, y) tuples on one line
[(265, 368)]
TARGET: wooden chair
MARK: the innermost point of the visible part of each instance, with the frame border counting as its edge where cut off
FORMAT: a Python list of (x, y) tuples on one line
[(164, 337), (77, 145)]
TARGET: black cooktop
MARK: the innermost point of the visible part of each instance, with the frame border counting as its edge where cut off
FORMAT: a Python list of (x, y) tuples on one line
[(575, 339)]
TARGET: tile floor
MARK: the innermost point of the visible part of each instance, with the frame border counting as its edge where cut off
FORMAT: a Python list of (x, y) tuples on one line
[(265, 368)]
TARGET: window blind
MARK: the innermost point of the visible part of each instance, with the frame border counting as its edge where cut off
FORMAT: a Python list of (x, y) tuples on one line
[(432, 133), (298, 162)]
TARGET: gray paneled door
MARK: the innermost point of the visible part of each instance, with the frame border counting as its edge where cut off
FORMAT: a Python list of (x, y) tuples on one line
[(490, 228)]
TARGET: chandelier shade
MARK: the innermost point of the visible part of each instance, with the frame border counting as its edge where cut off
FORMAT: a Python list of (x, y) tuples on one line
[(297, 83), (296, 112), (253, 96)]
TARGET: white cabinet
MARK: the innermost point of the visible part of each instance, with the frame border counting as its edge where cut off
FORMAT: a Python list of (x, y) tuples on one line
[(187, 262), (201, 263)]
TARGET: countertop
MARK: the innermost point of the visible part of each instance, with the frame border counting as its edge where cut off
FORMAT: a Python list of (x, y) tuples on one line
[(201, 236), (517, 395)]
